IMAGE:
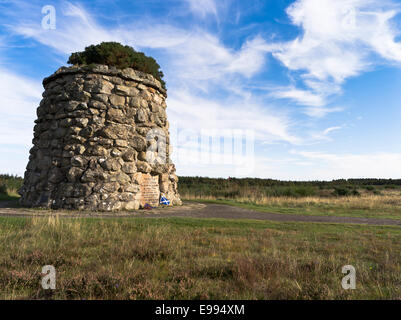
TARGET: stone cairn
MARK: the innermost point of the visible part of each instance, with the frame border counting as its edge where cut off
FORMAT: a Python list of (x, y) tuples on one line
[(101, 142)]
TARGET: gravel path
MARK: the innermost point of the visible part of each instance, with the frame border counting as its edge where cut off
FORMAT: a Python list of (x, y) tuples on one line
[(198, 210)]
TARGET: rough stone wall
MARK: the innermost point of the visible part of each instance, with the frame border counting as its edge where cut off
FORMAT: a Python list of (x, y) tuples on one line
[(100, 135)]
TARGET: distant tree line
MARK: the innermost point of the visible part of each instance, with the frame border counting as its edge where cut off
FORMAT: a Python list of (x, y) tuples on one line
[(233, 188), (272, 182)]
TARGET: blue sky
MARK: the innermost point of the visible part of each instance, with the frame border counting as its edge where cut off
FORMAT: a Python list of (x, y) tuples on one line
[(317, 81)]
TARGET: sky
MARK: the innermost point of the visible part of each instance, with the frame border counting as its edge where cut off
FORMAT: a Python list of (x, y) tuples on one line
[(306, 89)]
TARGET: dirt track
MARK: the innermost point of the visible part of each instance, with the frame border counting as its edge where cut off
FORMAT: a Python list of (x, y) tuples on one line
[(197, 210)]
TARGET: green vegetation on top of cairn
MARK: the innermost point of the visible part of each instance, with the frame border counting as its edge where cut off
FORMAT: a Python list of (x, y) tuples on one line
[(115, 54)]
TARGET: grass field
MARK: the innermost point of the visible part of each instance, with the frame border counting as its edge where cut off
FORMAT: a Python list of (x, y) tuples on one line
[(367, 198), (366, 206), (196, 259), (184, 258)]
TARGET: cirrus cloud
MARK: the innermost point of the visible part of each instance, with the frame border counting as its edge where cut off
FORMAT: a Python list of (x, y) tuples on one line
[(339, 39)]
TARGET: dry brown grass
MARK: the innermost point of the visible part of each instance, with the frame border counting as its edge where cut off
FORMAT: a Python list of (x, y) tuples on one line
[(367, 205), (196, 259)]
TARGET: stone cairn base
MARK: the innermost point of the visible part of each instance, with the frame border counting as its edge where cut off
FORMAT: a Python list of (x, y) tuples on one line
[(101, 142)]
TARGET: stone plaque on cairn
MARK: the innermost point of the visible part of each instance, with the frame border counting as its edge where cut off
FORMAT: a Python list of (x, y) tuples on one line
[(149, 190)]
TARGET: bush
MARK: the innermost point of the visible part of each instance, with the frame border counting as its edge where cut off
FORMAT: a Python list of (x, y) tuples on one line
[(291, 191), (115, 54), (341, 191), (355, 193), (305, 192), (3, 189), (390, 186), (10, 184)]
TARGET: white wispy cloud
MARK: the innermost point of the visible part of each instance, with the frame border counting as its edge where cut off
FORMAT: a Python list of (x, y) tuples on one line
[(331, 129), (333, 166), (339, 39), (202, 7), (76, 22), (304, 97), (320, 112), (306, 165), (19, 97), (250, 59), (195, 112)]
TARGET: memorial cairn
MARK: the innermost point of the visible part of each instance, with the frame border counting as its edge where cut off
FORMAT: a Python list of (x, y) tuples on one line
[(101, 141)]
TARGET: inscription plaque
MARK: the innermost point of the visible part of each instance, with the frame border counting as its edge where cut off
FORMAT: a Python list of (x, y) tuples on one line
[(149, 188)]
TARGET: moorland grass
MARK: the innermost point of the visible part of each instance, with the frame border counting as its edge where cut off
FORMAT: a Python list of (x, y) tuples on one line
[(183, 258), (367, 198), (366, 206)]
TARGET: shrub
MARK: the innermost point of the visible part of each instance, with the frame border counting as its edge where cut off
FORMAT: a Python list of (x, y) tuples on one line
[(9, 184), (305, 191), (3, 189), (291, 191), (341, 191), (390, 186), (115, 54), (355, 193)]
